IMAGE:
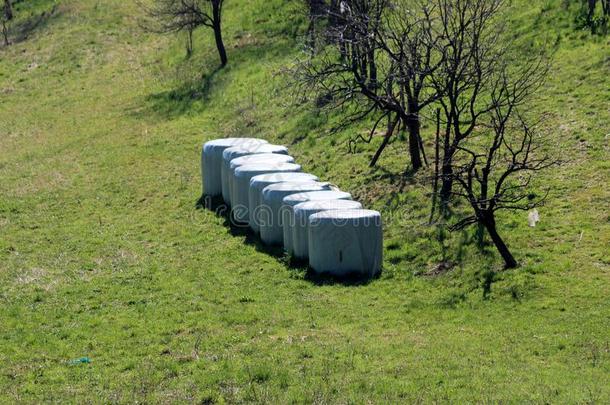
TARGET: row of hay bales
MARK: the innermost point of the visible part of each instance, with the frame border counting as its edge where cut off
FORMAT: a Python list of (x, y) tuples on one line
[(313, 220)]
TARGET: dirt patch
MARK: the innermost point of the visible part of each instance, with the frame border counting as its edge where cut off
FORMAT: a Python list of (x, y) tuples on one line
[(439, 269)]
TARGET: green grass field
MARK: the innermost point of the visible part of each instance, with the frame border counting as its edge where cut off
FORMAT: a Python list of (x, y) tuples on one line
[(103, 254)]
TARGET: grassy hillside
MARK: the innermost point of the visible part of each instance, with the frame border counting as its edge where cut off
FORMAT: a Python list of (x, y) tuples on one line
[(103, 255)]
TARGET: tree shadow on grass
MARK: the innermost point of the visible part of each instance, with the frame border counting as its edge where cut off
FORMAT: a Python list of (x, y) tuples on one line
[(399, 180), (176, 102), (23, 28), (192, 94), (221, 210), (387, 186), (458, 245)]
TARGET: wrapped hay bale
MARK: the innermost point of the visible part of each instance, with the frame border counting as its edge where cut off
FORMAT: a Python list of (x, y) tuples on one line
[(211, 161), (235, 152), (260, 158), (271, 202), (287, 212), (241, 184), (343, 242), (258, 183), (302, 212)]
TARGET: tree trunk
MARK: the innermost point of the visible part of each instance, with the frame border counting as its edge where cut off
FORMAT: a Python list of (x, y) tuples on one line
[(490, 224), (446, 176), (413, 126), (189, 43), (372, 68), (591, 11), (436, 165), (385, 141), (5, 33), (8, 10), (218, 33), (446, 184), (414, 150), (8, 15)]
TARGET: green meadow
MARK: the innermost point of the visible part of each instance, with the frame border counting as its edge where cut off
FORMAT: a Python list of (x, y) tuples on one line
[(115, 288)]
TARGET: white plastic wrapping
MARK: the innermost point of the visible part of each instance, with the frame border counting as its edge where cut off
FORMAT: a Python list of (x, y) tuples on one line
[(287, 212), (270, 221), (343, 242), (241, 184), (211, 161), (302, 212), (258, 183), (242, 150), (266, 158)]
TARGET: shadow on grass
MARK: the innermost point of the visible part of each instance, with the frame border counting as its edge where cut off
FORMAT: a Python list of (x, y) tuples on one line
[(456, 246), (398, 179), (348, 281), (394, 185), (22, 29), (192, 94), (174, 103), (220, 209)]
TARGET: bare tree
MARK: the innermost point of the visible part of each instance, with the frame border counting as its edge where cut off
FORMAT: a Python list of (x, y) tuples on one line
[(493, 169), (343, 75), (378, 67), (472, 47), (488, 148), (168, 16), (7, 15), (392, 60), (216, 24), (407, 39), (360, 21)]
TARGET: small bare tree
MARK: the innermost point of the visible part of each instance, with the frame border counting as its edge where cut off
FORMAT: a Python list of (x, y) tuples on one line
[(394, 59), (378, 66), (408, 41), (493, 169), (7, 15), (469, 38), (343, 75), (169, 16)]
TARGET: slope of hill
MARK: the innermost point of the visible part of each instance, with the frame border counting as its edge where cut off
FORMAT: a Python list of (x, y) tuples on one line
[(102, 254)]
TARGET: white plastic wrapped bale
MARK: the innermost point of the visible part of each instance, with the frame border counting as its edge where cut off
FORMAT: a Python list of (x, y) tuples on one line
[(238, 151), (241, 184), (287, 212), (211, 161), (258, 183), (343, 242), (302, 212), (271, 201), (271, 158)]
